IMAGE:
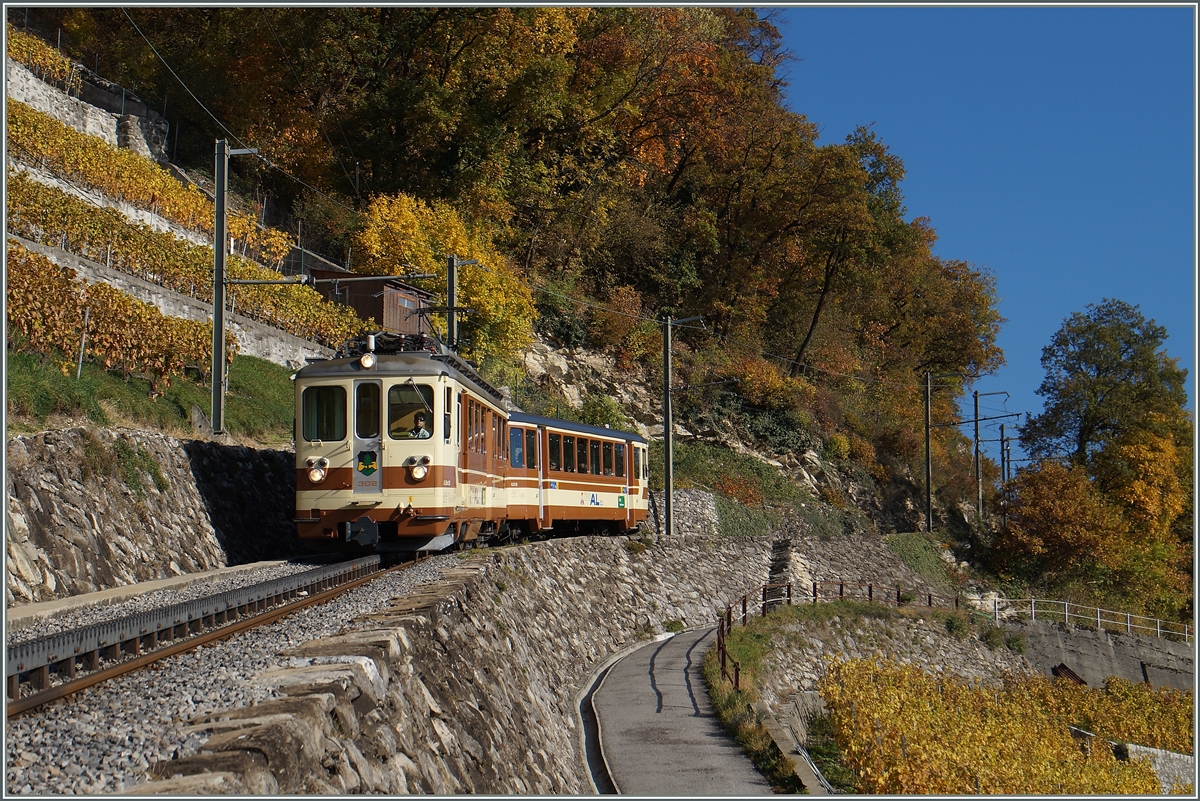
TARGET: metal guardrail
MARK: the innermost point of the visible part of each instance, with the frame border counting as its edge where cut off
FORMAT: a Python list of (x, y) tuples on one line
[(1039, 609), (1106, 619), (127, 633)]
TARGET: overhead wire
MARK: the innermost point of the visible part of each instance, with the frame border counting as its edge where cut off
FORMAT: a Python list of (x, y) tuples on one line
[(223, 127), (304, 91)]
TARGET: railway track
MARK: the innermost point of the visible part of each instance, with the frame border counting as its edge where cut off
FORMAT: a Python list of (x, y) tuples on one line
[(55, 666)]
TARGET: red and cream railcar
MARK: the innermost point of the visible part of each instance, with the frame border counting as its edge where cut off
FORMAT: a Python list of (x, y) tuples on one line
[(401, 446)]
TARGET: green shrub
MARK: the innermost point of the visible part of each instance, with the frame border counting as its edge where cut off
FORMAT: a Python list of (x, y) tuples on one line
[(1015, 641), (837, 447), (634, 547), (673, 626), (956, 626), (992, 637)]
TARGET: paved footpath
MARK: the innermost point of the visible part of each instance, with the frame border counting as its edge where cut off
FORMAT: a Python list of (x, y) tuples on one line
[(658, 730)]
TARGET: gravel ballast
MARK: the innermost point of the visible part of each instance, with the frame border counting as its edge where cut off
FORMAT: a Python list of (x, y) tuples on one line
[(105, 739)]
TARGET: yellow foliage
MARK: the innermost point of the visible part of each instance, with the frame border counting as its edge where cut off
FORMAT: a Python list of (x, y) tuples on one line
[(43, 60), (46, 306), (764, 384), (41, 140), (904, 731), (41, 213), (402, 234)]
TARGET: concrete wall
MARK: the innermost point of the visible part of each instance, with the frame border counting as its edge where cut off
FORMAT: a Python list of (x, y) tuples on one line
[(471, 687), (254, 338), (1096, 655)]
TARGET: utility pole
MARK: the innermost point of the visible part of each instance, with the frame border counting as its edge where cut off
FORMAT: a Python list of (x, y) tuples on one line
[(220, 247), (978, 459), (452, 301), (928, 462), (669, 428), (452, 310)]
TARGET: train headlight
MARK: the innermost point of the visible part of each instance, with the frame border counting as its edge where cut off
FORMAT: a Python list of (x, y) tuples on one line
[(419, 471), (367, 360), (317, 469)]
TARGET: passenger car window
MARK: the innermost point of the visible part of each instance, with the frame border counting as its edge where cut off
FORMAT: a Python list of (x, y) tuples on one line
[(569, 454), (608, 458), (595, 458), (620, 458), (517, 447), (555, 444), (581, 452), (531, 449), (323, 410)]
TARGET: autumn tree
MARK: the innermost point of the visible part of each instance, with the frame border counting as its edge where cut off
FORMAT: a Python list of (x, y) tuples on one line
[(1106, 373)]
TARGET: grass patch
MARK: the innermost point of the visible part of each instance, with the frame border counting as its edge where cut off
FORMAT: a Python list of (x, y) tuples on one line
[(258, 405), (921, 555), (697, 464), (824, 751), (673, 626), (737, 520)]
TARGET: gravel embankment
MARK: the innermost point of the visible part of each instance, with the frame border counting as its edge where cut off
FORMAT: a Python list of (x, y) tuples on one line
[(105, 739)]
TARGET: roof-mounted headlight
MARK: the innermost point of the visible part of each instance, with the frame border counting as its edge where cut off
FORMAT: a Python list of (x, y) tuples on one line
[(367, 360)]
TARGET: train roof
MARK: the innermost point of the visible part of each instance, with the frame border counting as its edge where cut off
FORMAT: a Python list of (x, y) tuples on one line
[(583, 428), (408, 364)]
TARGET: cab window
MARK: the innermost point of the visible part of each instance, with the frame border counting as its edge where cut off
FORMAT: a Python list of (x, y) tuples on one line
[(323, 410), (410, 411)]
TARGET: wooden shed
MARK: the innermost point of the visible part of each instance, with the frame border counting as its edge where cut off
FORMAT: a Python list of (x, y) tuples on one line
[(395, 305)]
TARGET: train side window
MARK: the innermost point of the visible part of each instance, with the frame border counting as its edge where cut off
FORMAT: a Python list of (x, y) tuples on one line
[(645, 466), (531, 449), (446, 413), (569, 454), (637, 463), (595, 458), (608, 458), (366, 413), (323, 412), (517, 447), (555, 444), (620, 450), (407, 402), (581, 453)]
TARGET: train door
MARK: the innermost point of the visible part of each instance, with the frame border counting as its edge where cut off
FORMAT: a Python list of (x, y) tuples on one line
[(534, 439), (368, 437)]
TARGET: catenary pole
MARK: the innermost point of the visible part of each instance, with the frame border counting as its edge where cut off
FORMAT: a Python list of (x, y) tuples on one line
[(928, 462), (668, 435), (219, 247)]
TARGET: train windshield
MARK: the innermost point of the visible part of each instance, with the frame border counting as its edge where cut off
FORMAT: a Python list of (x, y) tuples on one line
[(323, 410), (410, 411)]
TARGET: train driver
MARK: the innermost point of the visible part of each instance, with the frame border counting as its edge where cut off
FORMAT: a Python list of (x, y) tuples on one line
[(419, 431)]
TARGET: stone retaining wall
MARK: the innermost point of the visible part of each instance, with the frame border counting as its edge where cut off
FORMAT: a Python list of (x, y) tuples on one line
[(84, 512), (470, 687)]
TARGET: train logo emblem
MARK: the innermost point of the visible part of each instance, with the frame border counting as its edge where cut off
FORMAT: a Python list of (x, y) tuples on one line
[(366, 463), (592, 500)]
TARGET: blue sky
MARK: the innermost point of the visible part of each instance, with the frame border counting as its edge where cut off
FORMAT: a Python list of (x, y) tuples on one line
[(1054, 147)]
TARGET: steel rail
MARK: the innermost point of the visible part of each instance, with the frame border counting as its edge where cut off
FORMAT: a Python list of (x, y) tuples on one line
[(73, 686)]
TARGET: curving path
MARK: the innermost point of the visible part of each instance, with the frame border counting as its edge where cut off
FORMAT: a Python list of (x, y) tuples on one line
[(659, 733)]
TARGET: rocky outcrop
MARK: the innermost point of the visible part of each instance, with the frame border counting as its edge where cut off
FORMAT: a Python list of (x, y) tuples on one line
[(470, 687), (88, 509)]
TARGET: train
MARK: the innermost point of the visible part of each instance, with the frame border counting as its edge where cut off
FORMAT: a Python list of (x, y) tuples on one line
[(401, 446)]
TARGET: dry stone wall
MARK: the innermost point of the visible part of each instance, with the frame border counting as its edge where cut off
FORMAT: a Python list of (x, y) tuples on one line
[(88, 509), (470, 687)]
